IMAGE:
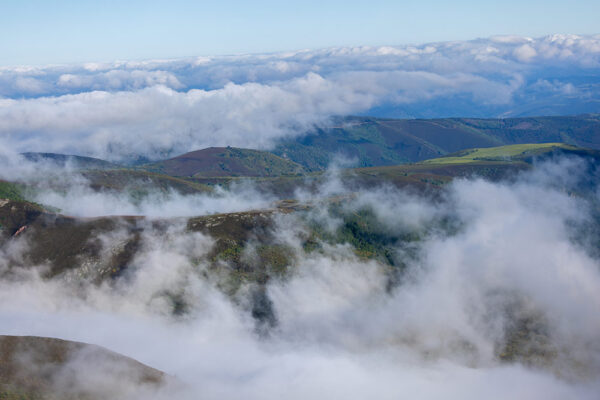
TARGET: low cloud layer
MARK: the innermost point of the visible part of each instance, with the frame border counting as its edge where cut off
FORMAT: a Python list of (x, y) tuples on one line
[(489, 253), (116, 109)]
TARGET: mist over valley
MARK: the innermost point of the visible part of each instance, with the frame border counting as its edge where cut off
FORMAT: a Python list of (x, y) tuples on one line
[(350, 221)]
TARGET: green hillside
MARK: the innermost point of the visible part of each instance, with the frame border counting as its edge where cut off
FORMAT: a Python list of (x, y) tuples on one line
[(377, 142), (494, 163), (141, 182), (136, 184), (11, 191), (366, 142), (226, 162)]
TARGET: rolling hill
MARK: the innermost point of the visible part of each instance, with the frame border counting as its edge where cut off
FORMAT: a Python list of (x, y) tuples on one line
[(512, 153), (226, 162), (494, 163), (365, 141), (209, 167), (378, 142), (44, 368)]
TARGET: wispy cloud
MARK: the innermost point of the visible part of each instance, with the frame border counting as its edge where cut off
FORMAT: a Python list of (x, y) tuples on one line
[(341, 329)]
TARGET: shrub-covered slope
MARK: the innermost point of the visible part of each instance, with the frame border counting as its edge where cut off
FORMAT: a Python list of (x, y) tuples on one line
[(377, 142), (226, 161)]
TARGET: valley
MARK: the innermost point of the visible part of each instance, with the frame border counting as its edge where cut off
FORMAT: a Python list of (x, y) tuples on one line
[(303, 212)]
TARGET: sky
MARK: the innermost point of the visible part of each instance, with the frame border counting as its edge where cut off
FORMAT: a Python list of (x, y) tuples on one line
[(120, 110), (122, 79), (39, 32)]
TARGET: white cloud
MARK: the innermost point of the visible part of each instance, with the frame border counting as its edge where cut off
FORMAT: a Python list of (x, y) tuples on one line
[(525, 53), (251, 100), (119, 80), (342, 332)]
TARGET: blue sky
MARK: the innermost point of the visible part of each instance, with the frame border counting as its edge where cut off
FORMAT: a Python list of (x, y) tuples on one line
[(41, 32)]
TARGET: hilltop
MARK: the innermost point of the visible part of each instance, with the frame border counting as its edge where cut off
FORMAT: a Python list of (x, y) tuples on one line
[(226, 162)]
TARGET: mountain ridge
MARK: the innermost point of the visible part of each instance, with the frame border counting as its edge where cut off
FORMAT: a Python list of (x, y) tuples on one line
[(364, 142), (214, 162), (70, 160), (373, 141)]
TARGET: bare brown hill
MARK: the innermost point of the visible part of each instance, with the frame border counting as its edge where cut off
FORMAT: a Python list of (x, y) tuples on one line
[(45, 368)]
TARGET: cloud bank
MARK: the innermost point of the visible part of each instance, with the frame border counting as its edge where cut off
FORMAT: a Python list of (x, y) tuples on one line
[(112, 110), (341, 330)]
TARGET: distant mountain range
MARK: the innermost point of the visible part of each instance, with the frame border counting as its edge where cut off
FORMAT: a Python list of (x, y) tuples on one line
[(376, 142), (361, 142), (68, 160)]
